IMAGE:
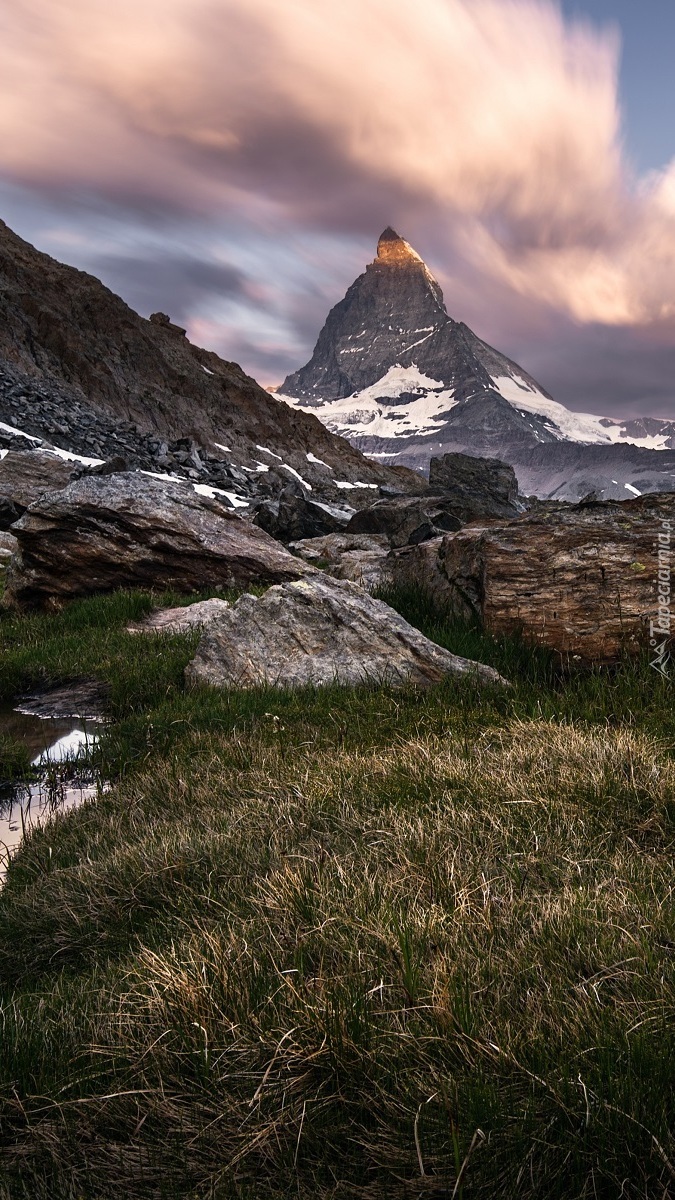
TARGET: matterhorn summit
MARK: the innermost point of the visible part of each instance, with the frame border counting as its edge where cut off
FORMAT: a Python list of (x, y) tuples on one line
[(394, 373)]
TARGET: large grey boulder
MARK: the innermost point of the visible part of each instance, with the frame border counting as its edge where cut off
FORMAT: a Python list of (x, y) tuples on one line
[(25, 475), (320, 631), (132, 530), (477, 488), (406, 520), (461, 489)]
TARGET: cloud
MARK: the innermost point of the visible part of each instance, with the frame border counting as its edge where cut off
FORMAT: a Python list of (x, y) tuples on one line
[(173, 281), (490, 129)]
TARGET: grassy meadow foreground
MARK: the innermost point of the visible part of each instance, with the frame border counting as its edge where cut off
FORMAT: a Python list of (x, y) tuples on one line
[(343, 944)]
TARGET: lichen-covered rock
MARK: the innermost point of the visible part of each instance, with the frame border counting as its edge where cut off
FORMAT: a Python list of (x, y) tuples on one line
[(582, 580), (8, 547), (320, 631), (131, 530), (362, 558)]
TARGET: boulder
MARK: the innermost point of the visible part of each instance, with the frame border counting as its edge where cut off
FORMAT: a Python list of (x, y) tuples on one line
[(25, 475), (406, 520), (132, 530), (181, 620), (296, 514), (582, 580), (461, 489), (476, 487), (362, 558), (320, 631)]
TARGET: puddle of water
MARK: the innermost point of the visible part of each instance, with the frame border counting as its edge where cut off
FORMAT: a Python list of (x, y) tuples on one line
[(56, 747)]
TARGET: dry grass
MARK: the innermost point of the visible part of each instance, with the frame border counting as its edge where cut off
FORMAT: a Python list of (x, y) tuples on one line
[(441, 966)]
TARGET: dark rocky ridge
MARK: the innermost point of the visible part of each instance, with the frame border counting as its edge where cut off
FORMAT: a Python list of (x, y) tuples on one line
[(81, 344)]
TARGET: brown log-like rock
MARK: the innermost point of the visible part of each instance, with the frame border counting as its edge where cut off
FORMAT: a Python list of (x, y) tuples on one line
[(321, 631), (132, 530), (582, 580)]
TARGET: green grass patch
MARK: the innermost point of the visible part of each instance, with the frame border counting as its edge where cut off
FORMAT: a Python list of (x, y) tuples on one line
[(15, 761), (344, 943)]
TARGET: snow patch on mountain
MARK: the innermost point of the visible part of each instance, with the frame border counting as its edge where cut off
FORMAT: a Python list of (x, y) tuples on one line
[(403, 402), (573, 426)]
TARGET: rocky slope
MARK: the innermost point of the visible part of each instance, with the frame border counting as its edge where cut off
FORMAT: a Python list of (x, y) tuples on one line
[(394, 373), (82, 370)]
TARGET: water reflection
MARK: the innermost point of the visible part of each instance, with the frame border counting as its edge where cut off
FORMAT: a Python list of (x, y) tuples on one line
[(59, 751)]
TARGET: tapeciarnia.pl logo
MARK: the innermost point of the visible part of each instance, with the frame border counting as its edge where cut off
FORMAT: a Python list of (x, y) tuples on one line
[(660, 626)]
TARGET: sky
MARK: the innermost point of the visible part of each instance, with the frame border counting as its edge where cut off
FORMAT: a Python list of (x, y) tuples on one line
[(233, 162)]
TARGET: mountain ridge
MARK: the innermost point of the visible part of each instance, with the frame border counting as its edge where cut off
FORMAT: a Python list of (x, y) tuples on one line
[(62, 326), (401, 398)]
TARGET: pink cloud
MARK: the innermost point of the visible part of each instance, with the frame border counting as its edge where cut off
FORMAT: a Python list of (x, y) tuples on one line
[(494, 121)]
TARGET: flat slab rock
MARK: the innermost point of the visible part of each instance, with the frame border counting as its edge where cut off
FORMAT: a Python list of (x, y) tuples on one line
[(132, 530), (181, 620), (581, 580), (318, 631), (81, 699)]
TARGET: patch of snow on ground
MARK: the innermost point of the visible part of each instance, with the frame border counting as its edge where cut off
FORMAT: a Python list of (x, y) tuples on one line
[(65, 454), (207, 370), (69, 457), (313, 459), (166, 478), (221, 447), (19, 432), (575, 426), (362, 413), (206, 489), (292, 470), (3, 453), (632, 489), (266, 451), (344, 484)]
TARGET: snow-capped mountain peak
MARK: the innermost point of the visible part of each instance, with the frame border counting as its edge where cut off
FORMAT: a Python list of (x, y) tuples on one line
[(394, 373)]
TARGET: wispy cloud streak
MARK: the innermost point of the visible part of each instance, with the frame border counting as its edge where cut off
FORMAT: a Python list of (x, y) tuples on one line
[(494, 122)]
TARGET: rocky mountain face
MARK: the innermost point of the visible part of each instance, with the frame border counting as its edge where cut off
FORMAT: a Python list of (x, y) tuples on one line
[(394, 373), (84, 373), (394, 315)]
